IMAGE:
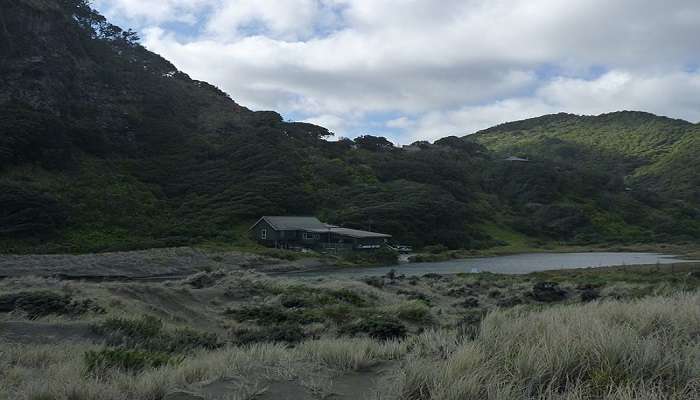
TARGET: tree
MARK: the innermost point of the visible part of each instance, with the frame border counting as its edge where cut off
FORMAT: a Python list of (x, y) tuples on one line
[(373, 143)]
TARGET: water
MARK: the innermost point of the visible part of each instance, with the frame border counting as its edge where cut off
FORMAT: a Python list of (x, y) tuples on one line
[(512, 264)]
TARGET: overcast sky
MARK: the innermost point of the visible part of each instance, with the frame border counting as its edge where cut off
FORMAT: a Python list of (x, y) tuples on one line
[(424, 69)]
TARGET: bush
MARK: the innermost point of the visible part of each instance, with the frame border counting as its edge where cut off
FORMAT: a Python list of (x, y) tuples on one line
[(302, 296), (382, 256), (415, 295), (147, 333), (435, 249), (414, 311), (203, 279), (184, 340), (294, 301), (377, 327), (287, 255), (374, 281), (132, 331), (547, 292), (271, 315), (42, 303), (340, 313), (284, 333), (134, 361)]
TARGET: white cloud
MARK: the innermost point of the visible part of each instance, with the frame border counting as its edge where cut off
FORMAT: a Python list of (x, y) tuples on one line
[(333, 123), (449, 66), (153, 11), (667, 94), (401, 123)]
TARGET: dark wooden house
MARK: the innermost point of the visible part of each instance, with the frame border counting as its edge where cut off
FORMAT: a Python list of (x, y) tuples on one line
[(308, 232)]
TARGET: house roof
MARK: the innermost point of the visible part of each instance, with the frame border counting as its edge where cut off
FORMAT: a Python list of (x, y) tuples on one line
[(312, 224), (285, 223), (354, 233), (513, 158)]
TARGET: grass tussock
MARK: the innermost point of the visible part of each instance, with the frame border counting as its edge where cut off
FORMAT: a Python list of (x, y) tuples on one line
[(646, 349), (550, 344)]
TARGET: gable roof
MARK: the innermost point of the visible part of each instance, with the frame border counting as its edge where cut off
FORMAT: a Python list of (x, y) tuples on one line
[(284, 223), (513, 158), (353, 233)]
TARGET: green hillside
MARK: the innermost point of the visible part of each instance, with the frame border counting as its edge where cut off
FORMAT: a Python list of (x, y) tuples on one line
[(652, 153), (107, 146)]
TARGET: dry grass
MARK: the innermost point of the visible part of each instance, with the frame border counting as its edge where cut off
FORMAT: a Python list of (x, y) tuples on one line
[(647, 348), (644, 349)]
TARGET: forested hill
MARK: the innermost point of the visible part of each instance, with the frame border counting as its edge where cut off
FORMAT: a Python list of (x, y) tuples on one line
[(654, 153), (105, 145)]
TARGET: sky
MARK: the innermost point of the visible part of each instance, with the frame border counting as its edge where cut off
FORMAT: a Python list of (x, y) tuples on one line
[(425, 69)]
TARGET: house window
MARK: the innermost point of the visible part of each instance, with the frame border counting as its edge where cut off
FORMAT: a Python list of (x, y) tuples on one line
[(263, 233), (307, 236)]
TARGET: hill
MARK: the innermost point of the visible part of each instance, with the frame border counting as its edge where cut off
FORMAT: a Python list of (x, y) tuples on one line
[(107, 146), (653, 153)]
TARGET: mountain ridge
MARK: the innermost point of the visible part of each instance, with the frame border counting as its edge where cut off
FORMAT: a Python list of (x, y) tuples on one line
[(107, 146), (648, 142)]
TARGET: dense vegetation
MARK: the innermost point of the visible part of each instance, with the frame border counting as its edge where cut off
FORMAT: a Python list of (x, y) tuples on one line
[(107, 146), (600, 333)]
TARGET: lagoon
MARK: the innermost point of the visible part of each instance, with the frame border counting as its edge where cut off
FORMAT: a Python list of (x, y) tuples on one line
[(510, 264)]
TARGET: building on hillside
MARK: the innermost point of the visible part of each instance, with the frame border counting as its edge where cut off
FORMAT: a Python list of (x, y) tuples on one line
[(290, 232), (516, 159)]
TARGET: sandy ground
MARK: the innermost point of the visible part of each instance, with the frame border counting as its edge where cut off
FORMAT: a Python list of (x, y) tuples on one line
[(152, 263)]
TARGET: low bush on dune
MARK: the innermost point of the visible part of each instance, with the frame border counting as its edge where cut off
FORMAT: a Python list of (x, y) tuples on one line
[(283, 333), (266, 315), (377, 327), (383, 256), (38, 304), (148, 333), (98, 363), (415, 311)]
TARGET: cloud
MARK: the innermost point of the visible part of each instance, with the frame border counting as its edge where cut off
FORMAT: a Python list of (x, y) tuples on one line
[(446, 67), (667, 94)]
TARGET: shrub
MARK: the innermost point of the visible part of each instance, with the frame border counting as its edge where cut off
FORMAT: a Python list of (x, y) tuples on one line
[(245, 290), (204, 279), (132, 331), (547, 292), (284, 333), (339, 313), (183, 340), (271, 315), (414, 295), (435, 249), (281, 254), (377, 327), (382, 256), (348, 296), (134, 361), (294, 301), (42, 303), (374, 281), (469, 302), (414, 311), (302, 296), (147, 333)]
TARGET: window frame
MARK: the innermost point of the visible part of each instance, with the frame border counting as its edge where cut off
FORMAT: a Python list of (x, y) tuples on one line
[(263, 233)]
